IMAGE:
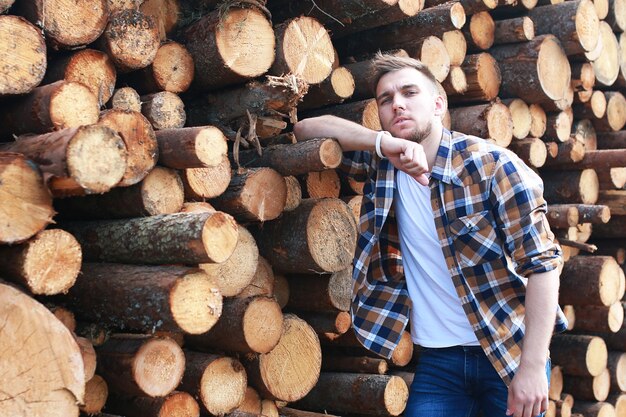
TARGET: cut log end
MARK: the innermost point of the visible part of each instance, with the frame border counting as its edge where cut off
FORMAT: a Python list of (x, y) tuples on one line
[(396, 396), (553, 68), (331, 218), (96, 394), (164, 110), (211, 146), (264, 194), (589, 186), (616, 111), (53, 261), (342, 82), (259, 326), (223, 386), (107, 160), (162, 191), (131, 39), (599, 104), (207, 182), (522, 118), (330, 153), (26, 52), (173, 68), (500, 124), (457, 15), (219, 236), (370, 116), (85, 21), (403, 353), (307, 49), (196, 303), (73, 105), (434, 55), (126, 98), (95, 70), (256, 31), (294, 193), (488, 74), (539, 121), (158, 367), (482, 30), (596, 356), (587, 25), (179, 404)]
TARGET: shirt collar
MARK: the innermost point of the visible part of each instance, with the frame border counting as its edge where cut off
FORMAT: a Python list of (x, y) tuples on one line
[(443, 170)]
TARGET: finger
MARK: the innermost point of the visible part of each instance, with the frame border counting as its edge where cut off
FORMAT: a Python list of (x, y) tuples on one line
[(528, 410), (510, 408), (422, 179), (536, 409)]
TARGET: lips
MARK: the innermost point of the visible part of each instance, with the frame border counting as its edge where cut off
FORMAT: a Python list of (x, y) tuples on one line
[(399, 120)]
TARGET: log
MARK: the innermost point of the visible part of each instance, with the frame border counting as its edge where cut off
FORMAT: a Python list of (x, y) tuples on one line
[(294, 193), (328, 247), (598, 160), (616, 16), (46, 264), (362, 75), (125, 98), (432, 52), (584, 133), (218, 381), (615, 228), (520, 114), (354, 364), (322, 184), (201, 183), (607, 65), (269, 408), (562, 216), (229, 46), (146, 298), (483, 79), (593, 109), (602, 8), (176, 403), (336, 88), (531, 150), (171, 70), (290, 370), (619, 402), (164, 110), (357, 394), (92, 68), (611, 247), (617, 369), (247, 325), (131, 39), (296, 159), (612, 140), (96, 394), (534, 71), (55, 106), (251, 403), (588, 388), (559, 126), (571, 186), (304, 48), (615, 201), (583, 76), (364, 112), (26, 201), (66, 26), (335, 323), (262, 282), (538, 122), (160, 192), (256, 194), (568, 152), (614, 118), (137, 365), (140, 140), (192, 147), (491, 121), (594, 213), (37, 381), (580, 355), (187, 238), (26, 52), (556, 383), (327, 292), (605, 319), (589, 280), (281, 290), (235, 273), (88, 355), (165, 14), (574, 23), (76, 161), (456, 46), (292, 412), (433, 21), (455, 82), (518, 29), (552, 149), (593, 409), (480, 33), (64, 315), (5, 5), (96, 334)]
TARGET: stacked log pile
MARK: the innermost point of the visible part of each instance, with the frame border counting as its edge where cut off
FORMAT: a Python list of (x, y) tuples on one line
[(177, 252)]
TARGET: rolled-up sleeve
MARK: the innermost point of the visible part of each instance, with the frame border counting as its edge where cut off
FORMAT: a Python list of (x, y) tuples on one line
[(355, 164)]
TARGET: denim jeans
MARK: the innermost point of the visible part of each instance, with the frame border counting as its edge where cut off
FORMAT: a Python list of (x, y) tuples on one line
[(457, 382)]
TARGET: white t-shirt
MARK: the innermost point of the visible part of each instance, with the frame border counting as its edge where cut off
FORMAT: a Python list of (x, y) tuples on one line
[(437, 317)]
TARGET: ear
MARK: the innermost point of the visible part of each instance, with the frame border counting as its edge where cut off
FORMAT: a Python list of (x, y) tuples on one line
[(441, 103)]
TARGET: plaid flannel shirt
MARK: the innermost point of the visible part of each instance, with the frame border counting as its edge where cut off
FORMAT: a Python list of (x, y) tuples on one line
[(490, 218)]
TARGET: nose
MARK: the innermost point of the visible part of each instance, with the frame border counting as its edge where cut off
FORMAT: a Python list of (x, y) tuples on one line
[(398, 102)]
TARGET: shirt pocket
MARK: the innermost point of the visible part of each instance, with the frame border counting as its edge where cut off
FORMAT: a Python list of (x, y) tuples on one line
[(475, 240)]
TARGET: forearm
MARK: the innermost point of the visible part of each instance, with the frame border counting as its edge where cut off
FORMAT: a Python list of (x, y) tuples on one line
[(351, 136), (541, 304)]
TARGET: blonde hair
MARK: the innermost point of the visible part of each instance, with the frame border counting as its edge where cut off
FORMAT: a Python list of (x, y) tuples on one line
[(385, 63)]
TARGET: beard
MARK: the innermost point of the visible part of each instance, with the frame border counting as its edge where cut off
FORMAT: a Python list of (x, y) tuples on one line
[(419, 135)]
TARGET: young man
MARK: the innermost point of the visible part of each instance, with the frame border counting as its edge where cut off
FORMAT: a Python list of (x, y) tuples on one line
[(453, 235)]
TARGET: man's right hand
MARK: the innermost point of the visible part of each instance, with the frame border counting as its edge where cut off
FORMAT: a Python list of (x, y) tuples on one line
[(407, 156)]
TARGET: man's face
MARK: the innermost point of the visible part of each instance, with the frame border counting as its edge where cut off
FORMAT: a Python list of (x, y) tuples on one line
[(408, 104)]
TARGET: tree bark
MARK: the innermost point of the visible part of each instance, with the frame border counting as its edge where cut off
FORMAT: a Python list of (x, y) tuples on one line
[(175, 403), (131, 39), (65, 25), (46, 264), (485, 121), (164, 110), (92, 68), (290, 370), (247, 325), (37, 381), (593, 409), (137, 365), (26, 52), (363, 112), (336, 88), (187, 238), (5, 5), (518, 29), (614, 118), (569, 152), (354, 364), (615, 228), (571, 186), (598, 160), (361, 73), (319, 293), (335, 323), (161, 192), (218, 381), (562, 216), (201, 183), (594, 213), (235, 273), (357, 394), (614, 200), (230, 47), (76, 161), (192, 147), (140, 140), (589, 280), (587, 388), (146, 298), (531, 150), (612, 140), (26, 201), (579, 354), (55, 106), (483, 79), (617, 370)]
